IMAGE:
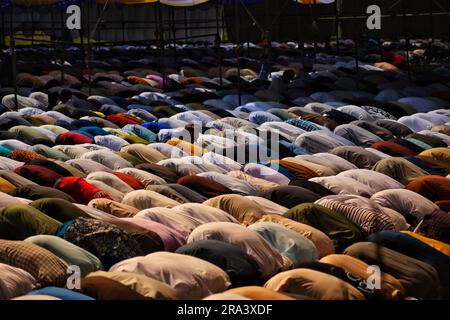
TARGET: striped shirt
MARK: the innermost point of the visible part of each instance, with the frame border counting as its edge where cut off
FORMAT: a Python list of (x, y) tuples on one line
[(371, 221)]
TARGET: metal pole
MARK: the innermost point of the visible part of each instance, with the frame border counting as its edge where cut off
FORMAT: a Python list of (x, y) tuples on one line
[(61, 54), (408, 66), (219, 40), (88, 11), (185, 25), (355, 30), (3, 29), (161, 43), (237, 22), (32, 26), (122, 20), (431, 21), (12, 46), (338, 47)]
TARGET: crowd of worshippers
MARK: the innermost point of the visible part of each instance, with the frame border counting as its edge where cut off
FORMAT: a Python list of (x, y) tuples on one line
[(147, 181)]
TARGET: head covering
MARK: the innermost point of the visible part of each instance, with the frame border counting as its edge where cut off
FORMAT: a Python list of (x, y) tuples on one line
[(258, 293), (433, 188), (146, 286), (344, 185), (20, 221), (236, 185), (341, 230), (60, 293), (145, 153), (81, 190), (143, 199), (171, 218), (192, 278), (297, 248), (145, 178), (205, 186), (267, 257), (15, 282), (244, 210), (240, 267), (107, 158), (360, 157), (314, 284), (438, 245), (266, 173), (87, 166), (68, 252), (398, 129), (291, 196), (114, 208), (419, 279), (35, 192), (40, 263), (104, 288), (406, 202), (39, 174), (168, 174), (106, 241), (442, 154), (110, 180), (375, 180), (360, 211), (58, 209), (415, 248)]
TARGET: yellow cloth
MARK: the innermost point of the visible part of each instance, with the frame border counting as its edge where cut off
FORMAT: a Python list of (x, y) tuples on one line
[(438, 245), (187, 147), (442, 154)]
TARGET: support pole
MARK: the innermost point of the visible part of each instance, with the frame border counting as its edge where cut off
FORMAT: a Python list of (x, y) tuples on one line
[(185, 24), (405, 28), (338, 47), (2, 29), (237, 24), (89, 48), (218, 42), (161, 43), (12, 45), (123, 22), (432, 21)]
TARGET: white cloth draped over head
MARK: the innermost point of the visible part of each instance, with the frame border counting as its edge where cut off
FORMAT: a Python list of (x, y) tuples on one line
[(344, 185), (266, 173), (405, 202), (183, 223), (204, 213), (375, 180), (107, 158), (191, 277), (111, 180), (236, 185)]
